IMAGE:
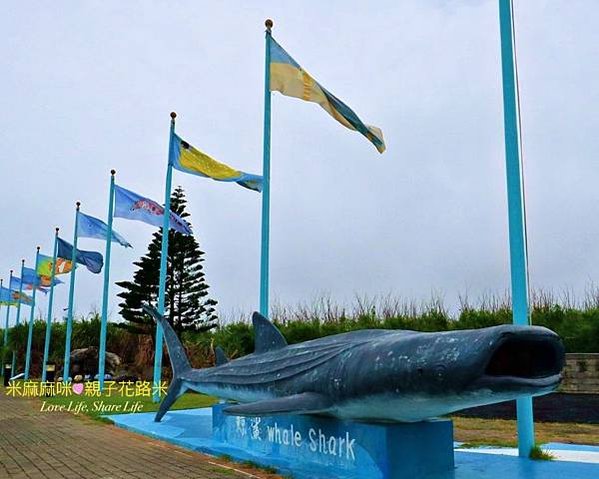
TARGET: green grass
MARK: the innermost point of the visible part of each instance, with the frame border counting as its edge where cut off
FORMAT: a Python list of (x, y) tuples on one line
[(252, 465), (96, 407), (539, 454), (477, 444), (255, 465), (222, 471)]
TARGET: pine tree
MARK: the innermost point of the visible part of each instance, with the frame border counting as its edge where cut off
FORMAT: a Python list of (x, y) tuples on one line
[(187, 305)]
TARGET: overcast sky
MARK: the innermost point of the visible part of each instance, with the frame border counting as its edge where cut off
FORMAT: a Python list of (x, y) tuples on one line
[(88, 86)]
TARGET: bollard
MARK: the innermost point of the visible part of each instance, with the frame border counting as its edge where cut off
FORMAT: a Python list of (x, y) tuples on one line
[(50, 372), (7, 373), (77, 372)]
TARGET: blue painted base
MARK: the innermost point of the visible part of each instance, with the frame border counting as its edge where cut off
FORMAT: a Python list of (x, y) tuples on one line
[(193, 429), (343, 448)]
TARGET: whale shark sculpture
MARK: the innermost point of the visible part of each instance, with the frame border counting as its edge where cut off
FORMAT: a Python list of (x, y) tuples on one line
[(377, 375)]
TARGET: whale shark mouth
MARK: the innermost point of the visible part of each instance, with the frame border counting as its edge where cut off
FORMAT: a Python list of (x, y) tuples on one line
[(527, 361)]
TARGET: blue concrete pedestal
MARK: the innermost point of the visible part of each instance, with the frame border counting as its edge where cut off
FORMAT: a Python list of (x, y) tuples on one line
[(193, 429), (341, 448)]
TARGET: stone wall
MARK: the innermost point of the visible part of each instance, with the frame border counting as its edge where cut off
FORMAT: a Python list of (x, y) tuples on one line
[(581, 374)]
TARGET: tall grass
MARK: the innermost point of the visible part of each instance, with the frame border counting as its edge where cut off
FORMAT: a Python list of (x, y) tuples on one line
[(576, 321)]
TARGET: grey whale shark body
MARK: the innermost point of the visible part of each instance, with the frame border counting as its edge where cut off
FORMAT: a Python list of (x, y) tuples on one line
[(377, 375)]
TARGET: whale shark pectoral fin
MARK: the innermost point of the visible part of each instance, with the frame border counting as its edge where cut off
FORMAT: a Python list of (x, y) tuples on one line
[(221, 357), (267, 336), (304, 403)]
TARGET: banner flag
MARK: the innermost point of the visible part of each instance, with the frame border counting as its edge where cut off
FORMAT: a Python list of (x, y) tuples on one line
[(22, 284), (31, 277), (44, 269), (90, 227), (190, 160), (92, 260), (11, 297), (132, 206), (6, 298), (290, 79)]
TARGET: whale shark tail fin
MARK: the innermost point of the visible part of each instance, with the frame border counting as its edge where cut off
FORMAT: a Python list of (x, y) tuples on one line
[(176, 351), (179, 361)]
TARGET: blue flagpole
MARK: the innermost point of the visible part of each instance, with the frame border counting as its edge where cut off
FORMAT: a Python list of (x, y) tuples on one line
[(1, 286), (31, 316), (5, 329), (265, 240), (104, 325), (18, 320), (67, 341), (7, 318), (516, 218), (6, 322), (163, 263), (50, 303)]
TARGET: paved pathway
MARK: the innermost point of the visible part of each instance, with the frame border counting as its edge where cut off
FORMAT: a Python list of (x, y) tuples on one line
[(62, 446)]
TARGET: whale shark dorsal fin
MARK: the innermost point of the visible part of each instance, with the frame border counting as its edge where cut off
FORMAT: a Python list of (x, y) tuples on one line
[(221, 357), (267, 336), (303, 403)]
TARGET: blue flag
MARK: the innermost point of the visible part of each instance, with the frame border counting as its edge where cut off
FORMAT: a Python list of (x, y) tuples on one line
[(14, 295), (92, 260), (90, 227), (132, 206), (6, 297), (17, 284)]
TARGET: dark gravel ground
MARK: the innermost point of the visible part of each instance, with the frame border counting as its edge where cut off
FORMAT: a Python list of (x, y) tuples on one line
[(556, 407)]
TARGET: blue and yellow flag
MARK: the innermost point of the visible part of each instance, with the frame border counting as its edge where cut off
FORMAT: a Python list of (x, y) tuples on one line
[(287, 77), (188, 159)]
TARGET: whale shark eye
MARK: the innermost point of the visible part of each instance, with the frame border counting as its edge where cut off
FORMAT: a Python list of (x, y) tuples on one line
[(439, 371)]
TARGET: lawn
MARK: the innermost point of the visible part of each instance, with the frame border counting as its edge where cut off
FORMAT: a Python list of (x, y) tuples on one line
[(502, 432)]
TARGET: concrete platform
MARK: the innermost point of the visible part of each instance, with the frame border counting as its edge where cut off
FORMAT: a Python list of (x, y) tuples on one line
[(192, 429), (561, 452)]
